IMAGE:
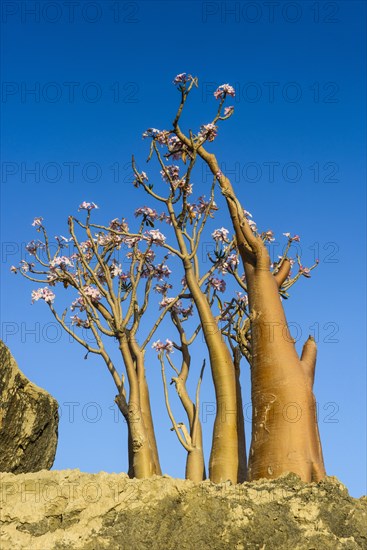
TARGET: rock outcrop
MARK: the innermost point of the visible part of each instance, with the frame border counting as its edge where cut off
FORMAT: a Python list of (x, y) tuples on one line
[(28, 420), (70, 510)]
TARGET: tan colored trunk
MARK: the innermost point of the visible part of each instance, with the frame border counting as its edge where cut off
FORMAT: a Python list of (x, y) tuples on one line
[(285, 434), (142, 456), (223, 462), (242, 460), (145, 402)]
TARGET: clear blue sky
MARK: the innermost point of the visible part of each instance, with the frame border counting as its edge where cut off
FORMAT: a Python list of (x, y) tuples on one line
[(100, 76)]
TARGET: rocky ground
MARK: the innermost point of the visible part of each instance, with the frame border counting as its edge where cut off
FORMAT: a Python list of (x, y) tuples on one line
[(59, 510)]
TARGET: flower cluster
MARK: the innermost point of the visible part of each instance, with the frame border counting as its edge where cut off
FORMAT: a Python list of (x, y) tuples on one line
[(37, 222), (163, 289), (223, 91), (296, 238), (77, 321), (148, 213), (217, 284), (117, 225), (33, 246), (228, 110), (140, 178), (62, 241), (208, 132), (268, 236), (61, 262), (230, 264), (154, 236), (115, 269), (171, 173), (182, 78), (87, 206), (43, 294), (92, 293), (160, 346), (220, 235)]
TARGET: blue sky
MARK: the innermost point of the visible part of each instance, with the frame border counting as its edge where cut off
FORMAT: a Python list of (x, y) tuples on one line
[(295, 147)]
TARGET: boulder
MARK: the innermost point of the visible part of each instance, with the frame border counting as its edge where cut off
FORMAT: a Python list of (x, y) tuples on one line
[(60, 510), (28, 420)]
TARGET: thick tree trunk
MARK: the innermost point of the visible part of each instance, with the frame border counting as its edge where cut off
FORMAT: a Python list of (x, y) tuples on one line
[(285, 434), (142, 455), (223, 463)]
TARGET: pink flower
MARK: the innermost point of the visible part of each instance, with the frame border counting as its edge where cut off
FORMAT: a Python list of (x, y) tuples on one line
[(37, 222), (115, 269), (75, 320), (218, 284), (268, 236), (171, 173), (87, 206), (43, 294), (182, 78), (208, 132), (242, 298), (305, 271), (165, 302), (296, 238), (228, 110), (33, 246), (155, 237), (162, 289), (161, 271), (13, 269), (159, 346), (220, 234), (62, 262), (224, 90), (92, 293), (149, 213)]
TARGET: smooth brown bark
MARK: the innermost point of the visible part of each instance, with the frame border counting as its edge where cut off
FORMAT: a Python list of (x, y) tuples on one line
[(140, 451), (223, 462), (285, 434)]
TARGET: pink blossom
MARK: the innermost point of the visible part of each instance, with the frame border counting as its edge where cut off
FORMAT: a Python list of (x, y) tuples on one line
[(37, 222), (224, 90), (140, 178), (79, 303), (171, 173), (208, 132), (156, 237), (218, 284), (162, 289), (228, 110), (26, 266), (268, 236), (62, 262), (75, 320), (252, 225), (62, 241), (33, 246), (296, 238), (115, 269), (161, 271), (242, 298), (87, 206), (220, 234), (305, 271), (159, 346), (182, 78), (149, 213), (230, 263), (13, 269), (118, 225), (165, 302), (92, 293), (43, 294)]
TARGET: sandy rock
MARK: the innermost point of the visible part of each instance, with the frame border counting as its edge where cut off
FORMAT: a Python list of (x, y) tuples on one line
[(28, 420), (64, 510)]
